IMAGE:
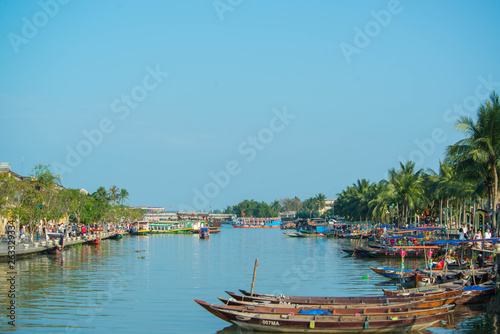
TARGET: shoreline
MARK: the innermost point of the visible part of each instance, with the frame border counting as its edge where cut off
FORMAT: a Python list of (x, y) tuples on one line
[(21, 251)]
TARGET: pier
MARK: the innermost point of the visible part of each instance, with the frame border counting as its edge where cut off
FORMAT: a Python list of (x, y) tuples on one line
[(31, 249)]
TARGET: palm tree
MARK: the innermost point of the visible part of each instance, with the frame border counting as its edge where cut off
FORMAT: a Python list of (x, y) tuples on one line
[(320, 201), (481, 147), (354, 201), (123, 195), (406, 187), (113, 194), (101, 193)]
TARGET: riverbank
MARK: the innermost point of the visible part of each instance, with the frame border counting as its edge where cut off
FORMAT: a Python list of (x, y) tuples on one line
[(23, 250)]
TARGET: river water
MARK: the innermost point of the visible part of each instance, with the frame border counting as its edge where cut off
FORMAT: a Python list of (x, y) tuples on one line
[(147, 284)]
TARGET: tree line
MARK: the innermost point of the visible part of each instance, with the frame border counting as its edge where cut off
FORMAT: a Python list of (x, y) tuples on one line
[(41, 197), (464, 189), (308, 208)]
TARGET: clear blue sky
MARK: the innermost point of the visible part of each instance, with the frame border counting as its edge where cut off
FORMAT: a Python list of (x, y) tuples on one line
[(172, 91)]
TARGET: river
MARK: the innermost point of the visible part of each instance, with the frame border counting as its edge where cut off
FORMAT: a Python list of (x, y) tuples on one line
[(147, 284)]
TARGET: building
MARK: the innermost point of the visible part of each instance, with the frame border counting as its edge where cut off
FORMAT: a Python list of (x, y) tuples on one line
[(157, 214), (329, 204)]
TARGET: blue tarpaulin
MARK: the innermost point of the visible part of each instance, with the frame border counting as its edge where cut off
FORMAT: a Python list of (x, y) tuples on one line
[(315, 312), (492, 240), (474, 288), (444, 242)]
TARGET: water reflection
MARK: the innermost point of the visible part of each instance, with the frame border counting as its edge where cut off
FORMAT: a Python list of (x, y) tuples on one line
[(120, 285)]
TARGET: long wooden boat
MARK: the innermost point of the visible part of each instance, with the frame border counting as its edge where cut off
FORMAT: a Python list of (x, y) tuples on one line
[(389, 253), (392, 273), (407, 302), (448, 292), (349, 251), (336, 300), (477, 294), (303, 235), (293, 323), (412, 307), (304, 311)]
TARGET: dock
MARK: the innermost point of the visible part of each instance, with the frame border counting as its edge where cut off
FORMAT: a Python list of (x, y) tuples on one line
[(26, 250)]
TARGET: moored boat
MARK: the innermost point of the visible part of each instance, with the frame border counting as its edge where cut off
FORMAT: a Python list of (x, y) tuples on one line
[(117, 236), (140, 228), (325, 323), (407, 303), (257, 223), (95, 241), (341, 310), (204, 233), (392, 273), (476, 294), (304, 300)]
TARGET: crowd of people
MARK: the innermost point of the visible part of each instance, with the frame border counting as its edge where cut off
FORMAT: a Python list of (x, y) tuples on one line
[(43, 230)]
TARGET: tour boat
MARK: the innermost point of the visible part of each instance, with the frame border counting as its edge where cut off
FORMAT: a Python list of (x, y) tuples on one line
[(257, 223), (140, 228)]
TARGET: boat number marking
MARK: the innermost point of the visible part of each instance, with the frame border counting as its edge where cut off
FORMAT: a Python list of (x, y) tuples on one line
[(270, 322)]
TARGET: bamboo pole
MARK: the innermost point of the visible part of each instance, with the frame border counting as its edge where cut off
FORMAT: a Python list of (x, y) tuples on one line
[(472, 267), (254, 272)]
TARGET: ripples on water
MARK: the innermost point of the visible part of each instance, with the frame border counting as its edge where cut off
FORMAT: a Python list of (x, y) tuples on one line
[(147, 284)]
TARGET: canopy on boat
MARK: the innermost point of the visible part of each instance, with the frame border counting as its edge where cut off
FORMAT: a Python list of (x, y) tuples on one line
[(444, 242), (420, 229), (417, 236), (492, 240), (382, 226), (415, 247)]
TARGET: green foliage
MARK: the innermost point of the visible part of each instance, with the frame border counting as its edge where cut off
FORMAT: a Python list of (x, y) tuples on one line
[(255, 209), (40, 197)]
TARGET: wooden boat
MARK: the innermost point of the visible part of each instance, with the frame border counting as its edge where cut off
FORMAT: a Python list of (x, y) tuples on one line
[(204, 233), (303, 235), (348, 251), (417, 279), (392, 273), (333, 311), (54, 250), (117, 236), (325, 323), (294, 235), (408, 303), (470, 294), (303, 300), (478, 294), (95, 241), (389, 253), (449, 292)]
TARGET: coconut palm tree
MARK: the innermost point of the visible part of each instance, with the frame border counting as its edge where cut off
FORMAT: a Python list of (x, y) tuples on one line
[(113, 194), (481, 147), (101, 193), (406, 187), (123, 195), (320, 201)]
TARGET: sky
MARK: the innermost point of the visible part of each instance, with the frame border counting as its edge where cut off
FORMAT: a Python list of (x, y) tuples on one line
[(198, 105)]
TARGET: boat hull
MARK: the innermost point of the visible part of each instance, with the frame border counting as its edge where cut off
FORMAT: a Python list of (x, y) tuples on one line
[(294, 323)]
